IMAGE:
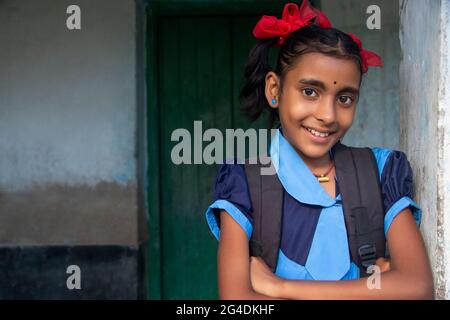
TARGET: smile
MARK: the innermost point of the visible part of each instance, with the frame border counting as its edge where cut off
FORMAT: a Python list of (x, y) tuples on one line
[(318, 133)]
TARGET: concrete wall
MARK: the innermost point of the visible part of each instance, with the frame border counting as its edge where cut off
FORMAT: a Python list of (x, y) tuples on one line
[(425, 123), (377, 116), (68, 168)]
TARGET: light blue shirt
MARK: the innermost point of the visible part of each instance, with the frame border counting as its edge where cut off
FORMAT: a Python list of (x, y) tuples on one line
[(328, 257)]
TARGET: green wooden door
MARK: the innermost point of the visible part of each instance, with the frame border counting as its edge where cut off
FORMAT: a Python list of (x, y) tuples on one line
[(198, 65)]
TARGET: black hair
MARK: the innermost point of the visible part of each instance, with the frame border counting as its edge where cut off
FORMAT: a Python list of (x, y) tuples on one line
[(308, 39)]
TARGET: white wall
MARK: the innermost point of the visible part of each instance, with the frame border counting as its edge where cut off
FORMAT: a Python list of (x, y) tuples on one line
[(425, 123)]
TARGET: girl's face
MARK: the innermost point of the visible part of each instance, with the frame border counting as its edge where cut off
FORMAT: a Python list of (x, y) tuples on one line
[(317, 103)]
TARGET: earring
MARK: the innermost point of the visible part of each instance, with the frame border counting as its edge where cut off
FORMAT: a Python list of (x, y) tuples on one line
[(274, 101)]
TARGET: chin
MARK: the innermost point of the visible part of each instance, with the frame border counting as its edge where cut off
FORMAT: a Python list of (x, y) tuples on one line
[(314, 152), (310, 150)]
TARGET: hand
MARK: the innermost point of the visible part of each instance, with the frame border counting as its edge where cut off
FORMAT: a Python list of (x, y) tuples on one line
[(383, 264), (262, 279)]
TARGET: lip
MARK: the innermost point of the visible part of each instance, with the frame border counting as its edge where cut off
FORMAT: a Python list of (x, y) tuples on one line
[(318, 139)]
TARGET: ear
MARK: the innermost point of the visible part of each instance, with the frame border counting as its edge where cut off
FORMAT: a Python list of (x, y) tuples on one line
[(272, 90)]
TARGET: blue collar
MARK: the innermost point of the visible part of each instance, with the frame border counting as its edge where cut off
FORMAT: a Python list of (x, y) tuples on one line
[(295, 176)]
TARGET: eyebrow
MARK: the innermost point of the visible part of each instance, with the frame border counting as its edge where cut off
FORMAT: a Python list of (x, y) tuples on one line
[(320, 84)]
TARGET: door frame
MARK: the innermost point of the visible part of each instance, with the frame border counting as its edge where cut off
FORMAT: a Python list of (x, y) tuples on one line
[(154, 9)]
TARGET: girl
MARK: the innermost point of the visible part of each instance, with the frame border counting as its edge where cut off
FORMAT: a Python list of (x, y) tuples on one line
[(313, 92)]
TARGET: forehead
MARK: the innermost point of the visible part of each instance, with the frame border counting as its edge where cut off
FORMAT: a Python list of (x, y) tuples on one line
[(325, 68)]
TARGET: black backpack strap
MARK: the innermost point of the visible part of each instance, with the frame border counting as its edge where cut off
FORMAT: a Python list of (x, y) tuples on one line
[(266, 194), (357, 175)]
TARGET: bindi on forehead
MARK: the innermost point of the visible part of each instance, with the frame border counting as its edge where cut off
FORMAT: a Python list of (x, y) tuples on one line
[(334, 82)]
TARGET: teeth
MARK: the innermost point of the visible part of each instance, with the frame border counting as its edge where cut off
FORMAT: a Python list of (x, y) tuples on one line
[(317, 133)]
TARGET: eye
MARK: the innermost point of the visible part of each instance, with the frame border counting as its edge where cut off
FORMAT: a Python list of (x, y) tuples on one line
[(346, 100), (309, 92)]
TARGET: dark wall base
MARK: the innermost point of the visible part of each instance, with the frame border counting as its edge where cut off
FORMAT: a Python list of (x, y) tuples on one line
[(39, 272)]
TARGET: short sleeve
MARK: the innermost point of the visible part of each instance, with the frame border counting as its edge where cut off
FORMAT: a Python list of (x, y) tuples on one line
[(231, 194), (397, 188)]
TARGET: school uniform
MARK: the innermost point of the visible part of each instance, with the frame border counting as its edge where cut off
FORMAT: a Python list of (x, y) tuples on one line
[(314, 244)]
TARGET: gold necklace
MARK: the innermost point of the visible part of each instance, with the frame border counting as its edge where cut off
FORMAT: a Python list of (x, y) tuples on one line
[(324, 177)]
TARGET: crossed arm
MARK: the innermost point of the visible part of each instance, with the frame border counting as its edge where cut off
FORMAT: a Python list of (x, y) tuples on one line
[(409, 275)]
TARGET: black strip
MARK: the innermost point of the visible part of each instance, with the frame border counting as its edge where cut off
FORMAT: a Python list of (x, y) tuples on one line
[(40, 272)]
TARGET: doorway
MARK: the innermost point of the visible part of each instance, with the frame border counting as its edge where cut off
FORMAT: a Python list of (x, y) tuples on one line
[(196, 52)]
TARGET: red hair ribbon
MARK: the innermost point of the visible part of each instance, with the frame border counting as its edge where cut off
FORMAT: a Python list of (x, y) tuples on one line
[(368, 58), (294, 18)]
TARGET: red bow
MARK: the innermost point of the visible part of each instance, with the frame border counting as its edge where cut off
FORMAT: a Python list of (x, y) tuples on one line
[(294, 18), (369, 58)]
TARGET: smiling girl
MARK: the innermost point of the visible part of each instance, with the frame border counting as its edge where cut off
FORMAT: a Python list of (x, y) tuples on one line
[(313, 92)]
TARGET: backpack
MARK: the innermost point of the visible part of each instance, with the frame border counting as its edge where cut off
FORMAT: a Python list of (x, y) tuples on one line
[(359, 185)]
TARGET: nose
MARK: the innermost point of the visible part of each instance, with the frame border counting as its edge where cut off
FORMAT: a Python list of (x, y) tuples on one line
[(325, 111)]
